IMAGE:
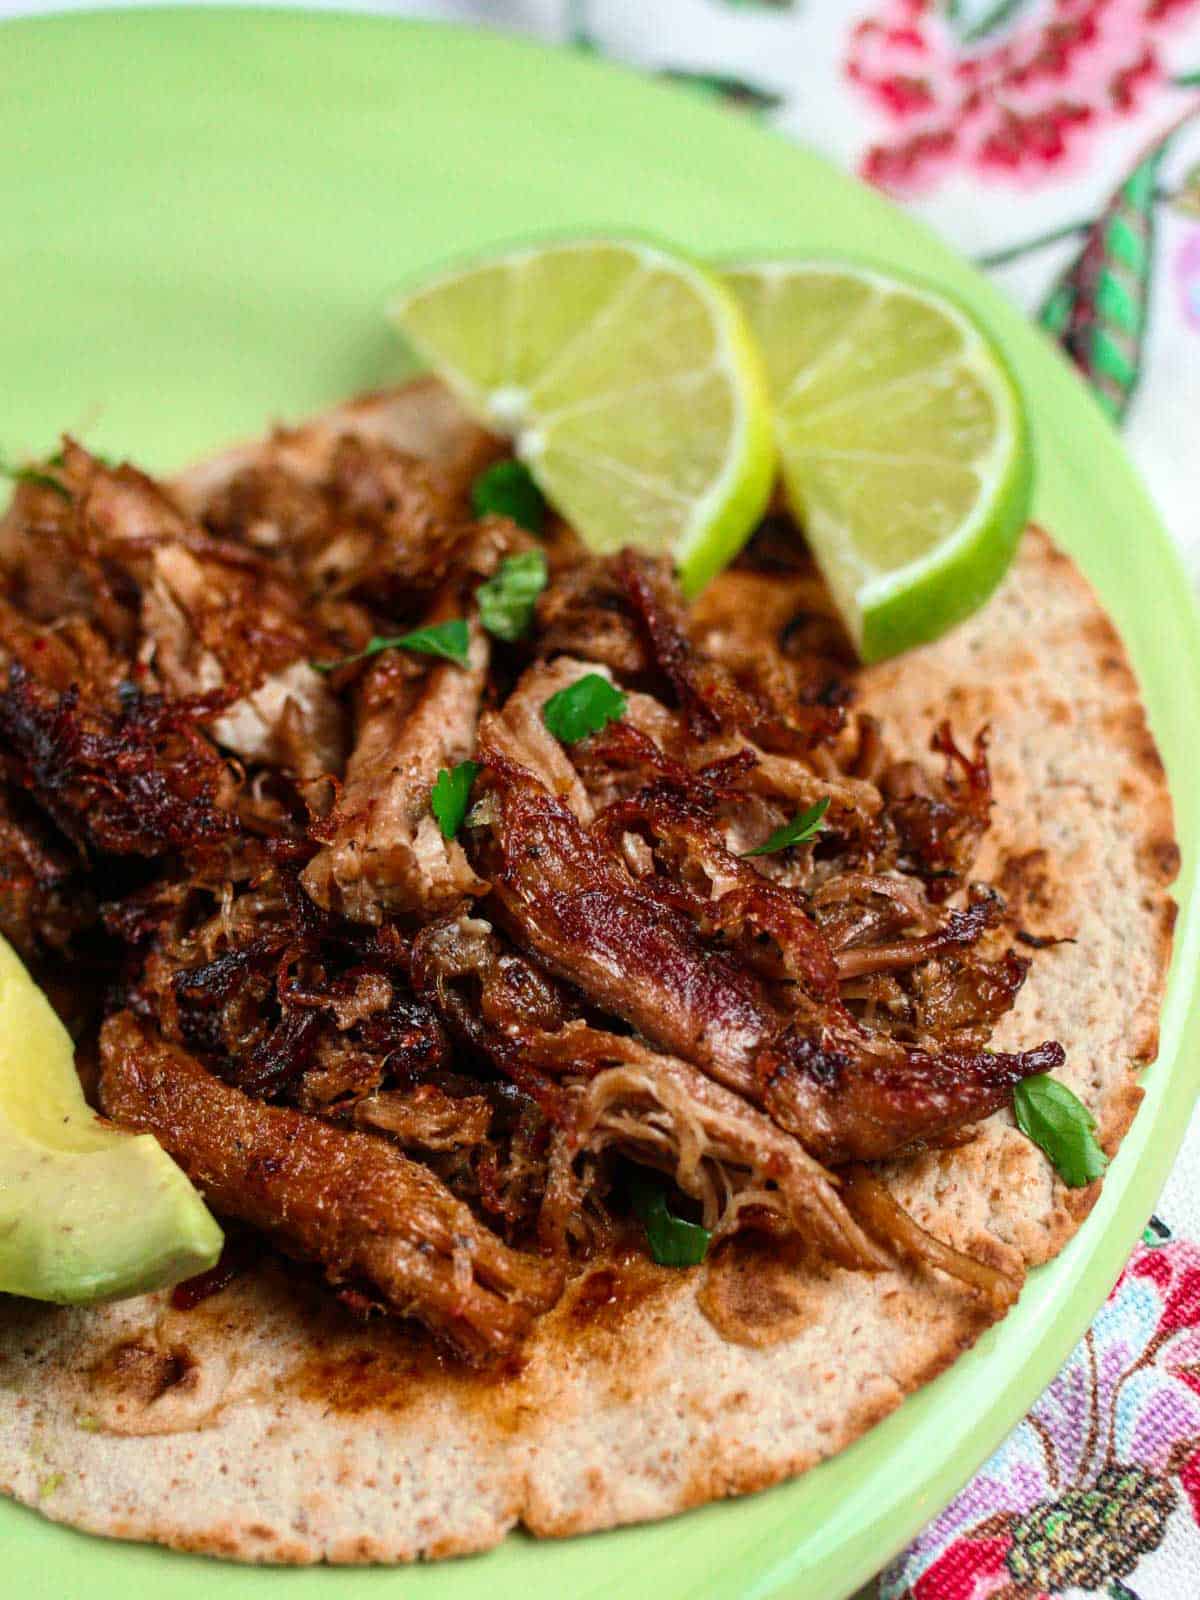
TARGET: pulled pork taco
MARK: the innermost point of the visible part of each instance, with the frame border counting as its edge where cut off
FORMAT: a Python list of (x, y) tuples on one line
[(596, 1025)]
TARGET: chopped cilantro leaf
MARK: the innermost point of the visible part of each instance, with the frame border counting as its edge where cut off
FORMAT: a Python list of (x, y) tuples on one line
[(583, 707), (451, 794), (807, 825), (507, 599), (1060, 1124), (32, 475), (507, 489), (672, 1241), (450, 640)]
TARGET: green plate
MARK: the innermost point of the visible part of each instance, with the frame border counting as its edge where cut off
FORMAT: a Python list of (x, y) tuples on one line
[(202, 214)]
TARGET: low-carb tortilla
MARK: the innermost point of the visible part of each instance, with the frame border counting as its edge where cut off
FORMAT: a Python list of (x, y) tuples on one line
[(266, 1425)]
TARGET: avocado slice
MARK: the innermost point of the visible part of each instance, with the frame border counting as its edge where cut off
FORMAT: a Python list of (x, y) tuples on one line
[(87, 1212)]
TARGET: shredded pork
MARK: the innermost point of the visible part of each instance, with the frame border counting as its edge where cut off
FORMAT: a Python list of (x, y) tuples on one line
[(366, 1213), (385, 851), (426, 1062)]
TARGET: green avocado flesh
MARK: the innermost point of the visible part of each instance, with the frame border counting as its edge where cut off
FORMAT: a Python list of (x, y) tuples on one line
[(87, 1212)]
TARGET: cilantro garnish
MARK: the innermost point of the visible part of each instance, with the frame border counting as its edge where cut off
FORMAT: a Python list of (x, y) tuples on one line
[(507, 599), (451, 794), (447, 639), (583, 707), (1059, 1123), (43, 480), (807, 825), (508, 490), (672, 1241)]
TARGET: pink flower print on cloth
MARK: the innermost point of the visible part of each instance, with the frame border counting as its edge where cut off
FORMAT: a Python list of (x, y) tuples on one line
[(1083, 1490), (1008, 89)]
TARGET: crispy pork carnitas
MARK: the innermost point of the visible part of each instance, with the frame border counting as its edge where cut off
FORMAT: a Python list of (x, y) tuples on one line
[(419, 916)]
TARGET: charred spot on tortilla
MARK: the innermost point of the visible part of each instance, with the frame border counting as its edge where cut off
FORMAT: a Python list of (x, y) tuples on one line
[(760, 1289), (406, 970), (139, 1372)]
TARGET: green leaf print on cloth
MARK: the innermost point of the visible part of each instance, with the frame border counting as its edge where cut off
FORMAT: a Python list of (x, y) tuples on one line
[(973, 23), (732, 91), (1098, 308), (1155, 1233)]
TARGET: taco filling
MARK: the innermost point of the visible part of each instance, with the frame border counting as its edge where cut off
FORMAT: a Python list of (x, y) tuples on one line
[(452, 903)]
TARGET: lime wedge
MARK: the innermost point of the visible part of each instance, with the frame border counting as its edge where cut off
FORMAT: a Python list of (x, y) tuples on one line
[(628, 381), (903, 444)]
